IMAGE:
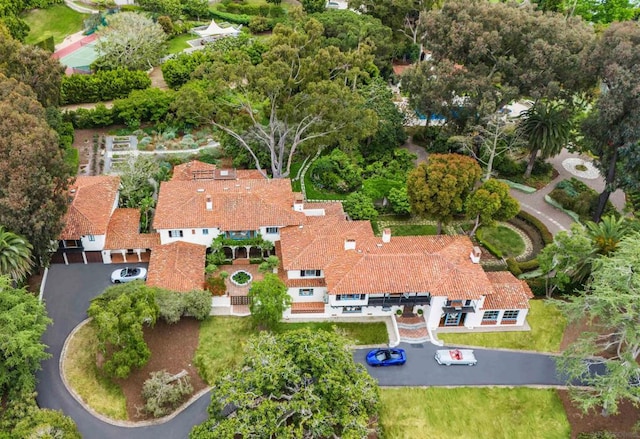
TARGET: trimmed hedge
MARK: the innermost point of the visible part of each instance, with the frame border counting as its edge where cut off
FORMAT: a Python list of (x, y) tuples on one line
[(531, 265), (513, 267), (231, 18), (104, 85), (494, 251), (546, 235), (537, 286)]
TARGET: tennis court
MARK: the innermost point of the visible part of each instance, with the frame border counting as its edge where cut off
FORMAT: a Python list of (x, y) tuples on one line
[(82, 57)]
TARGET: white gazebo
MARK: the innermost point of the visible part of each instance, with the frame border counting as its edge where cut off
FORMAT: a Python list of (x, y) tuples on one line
[(214, 30)]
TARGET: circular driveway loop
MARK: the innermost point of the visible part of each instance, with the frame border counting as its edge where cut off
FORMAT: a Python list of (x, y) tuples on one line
[(69, 289)]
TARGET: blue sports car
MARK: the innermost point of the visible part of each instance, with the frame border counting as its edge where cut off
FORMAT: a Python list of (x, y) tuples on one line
[(386, 357)]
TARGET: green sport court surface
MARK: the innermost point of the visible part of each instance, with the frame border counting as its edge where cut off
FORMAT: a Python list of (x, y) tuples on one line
[(82, 57)]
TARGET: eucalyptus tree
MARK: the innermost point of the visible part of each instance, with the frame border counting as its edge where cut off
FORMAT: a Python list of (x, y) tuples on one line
[(302, 96), (612, 129)]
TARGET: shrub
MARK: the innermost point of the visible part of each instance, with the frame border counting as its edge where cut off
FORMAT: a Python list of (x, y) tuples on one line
[(170, 305), (162, 393), (216, 286), (537, 286), (72, 158), (231, 18), (360, 207), (547, 237), (336, 172), (197, 304), (597, 435), (259, 24), (531, 265), (102, 86), (512, 266), (507, 167)]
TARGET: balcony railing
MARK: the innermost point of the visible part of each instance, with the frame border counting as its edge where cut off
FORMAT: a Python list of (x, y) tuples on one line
[(454, 309), (399, 301)]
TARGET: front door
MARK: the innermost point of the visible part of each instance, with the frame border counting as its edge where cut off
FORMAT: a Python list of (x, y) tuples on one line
[(452, 319)]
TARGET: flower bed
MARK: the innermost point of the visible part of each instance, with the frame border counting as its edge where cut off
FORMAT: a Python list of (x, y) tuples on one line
[(241, 278)]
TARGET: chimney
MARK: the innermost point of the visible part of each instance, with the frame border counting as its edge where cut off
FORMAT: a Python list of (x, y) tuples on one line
[(349, 244), (475, 255), (386, 235), (298, 206), (209, 203)]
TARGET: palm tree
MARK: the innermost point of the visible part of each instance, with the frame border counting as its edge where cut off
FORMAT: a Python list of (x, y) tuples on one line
[(15, 255), (607, 234), (547, 127)]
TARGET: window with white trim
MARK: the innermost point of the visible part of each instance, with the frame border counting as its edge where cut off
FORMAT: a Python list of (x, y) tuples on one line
[(490, 316), (350, 297), (309, 273), (205, 231), (176, 233), (305, 292), (510, 314), (92, 238), (272, 230)]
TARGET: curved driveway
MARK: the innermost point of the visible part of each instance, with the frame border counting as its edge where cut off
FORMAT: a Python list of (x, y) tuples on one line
[(69, 289)]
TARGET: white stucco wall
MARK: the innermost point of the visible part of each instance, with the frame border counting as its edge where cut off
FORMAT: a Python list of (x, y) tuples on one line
[(435, 311), (188, 236), (273, 237), (341, 303), (96, 245), (318, 295), (295, 274)]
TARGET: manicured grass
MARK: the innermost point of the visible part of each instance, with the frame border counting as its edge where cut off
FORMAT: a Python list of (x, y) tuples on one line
[(220, 346), (83, 376), (358, 333), (179, 43), (473, 413), (413, 230), (57, 21), (503, 239), (547, 326)]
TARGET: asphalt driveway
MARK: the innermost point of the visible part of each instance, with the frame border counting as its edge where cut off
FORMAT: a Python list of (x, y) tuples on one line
[(69, 290), (502, 368)]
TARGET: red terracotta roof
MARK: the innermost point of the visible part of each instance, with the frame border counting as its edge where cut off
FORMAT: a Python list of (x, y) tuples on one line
[(307, 307), (124, 232), (178, 266), (197, 170), (236, 204), (92, 202), (186, 171), (508, 292)]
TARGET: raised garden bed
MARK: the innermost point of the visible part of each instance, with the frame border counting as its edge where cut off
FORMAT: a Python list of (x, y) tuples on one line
[(241, 278)]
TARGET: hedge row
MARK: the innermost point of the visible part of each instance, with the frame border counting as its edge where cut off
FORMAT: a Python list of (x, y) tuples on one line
[(102, 86), (494, 251), (547, 237), (231, 18)]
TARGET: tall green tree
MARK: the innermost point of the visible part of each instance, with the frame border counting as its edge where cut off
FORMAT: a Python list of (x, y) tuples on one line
[(611, 304), (268, 299), (546, 127), (440, 187), (491, 202), (313, 6), (480, 46), (23, 320), (15, 255), (603, 11), (297, 384), (132, 41), (46, 423), (612, 129), (302, 96), (33, 175), (119, 315)]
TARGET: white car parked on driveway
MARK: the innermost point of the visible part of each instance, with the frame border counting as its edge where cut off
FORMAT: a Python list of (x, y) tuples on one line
[(456, 356), (128, 274)]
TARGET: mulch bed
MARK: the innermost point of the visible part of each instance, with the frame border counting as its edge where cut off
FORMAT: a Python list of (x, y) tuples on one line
[(172, 349)]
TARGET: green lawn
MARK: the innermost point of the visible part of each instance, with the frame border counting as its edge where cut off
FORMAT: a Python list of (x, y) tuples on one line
[(547, 326), (220, 347), (314, 193), (502, 238), (358, 333), (82, 374), (57, 21), (413, 230), (179, 43), (473, 413)]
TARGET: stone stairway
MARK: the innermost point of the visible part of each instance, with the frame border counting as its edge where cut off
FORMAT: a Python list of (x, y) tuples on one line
[(412, 329)]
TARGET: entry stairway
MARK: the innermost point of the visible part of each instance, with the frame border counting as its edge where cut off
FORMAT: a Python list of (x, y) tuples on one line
[(412, 329)]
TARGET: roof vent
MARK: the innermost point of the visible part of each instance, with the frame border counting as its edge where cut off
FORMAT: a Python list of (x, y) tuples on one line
[(199, 190), (209, 203), (73, 191), (386, 235), (247, 187), (224, 172), (225, 188)]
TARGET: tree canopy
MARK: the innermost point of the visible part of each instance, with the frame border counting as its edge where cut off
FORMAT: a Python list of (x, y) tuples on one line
[(611, 304), (33, 175), (491, 202), (440, 187), (268, 299), (132, 41), (480, 59), (302, 96), (612, 128), (15, 255), (296, 384)]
